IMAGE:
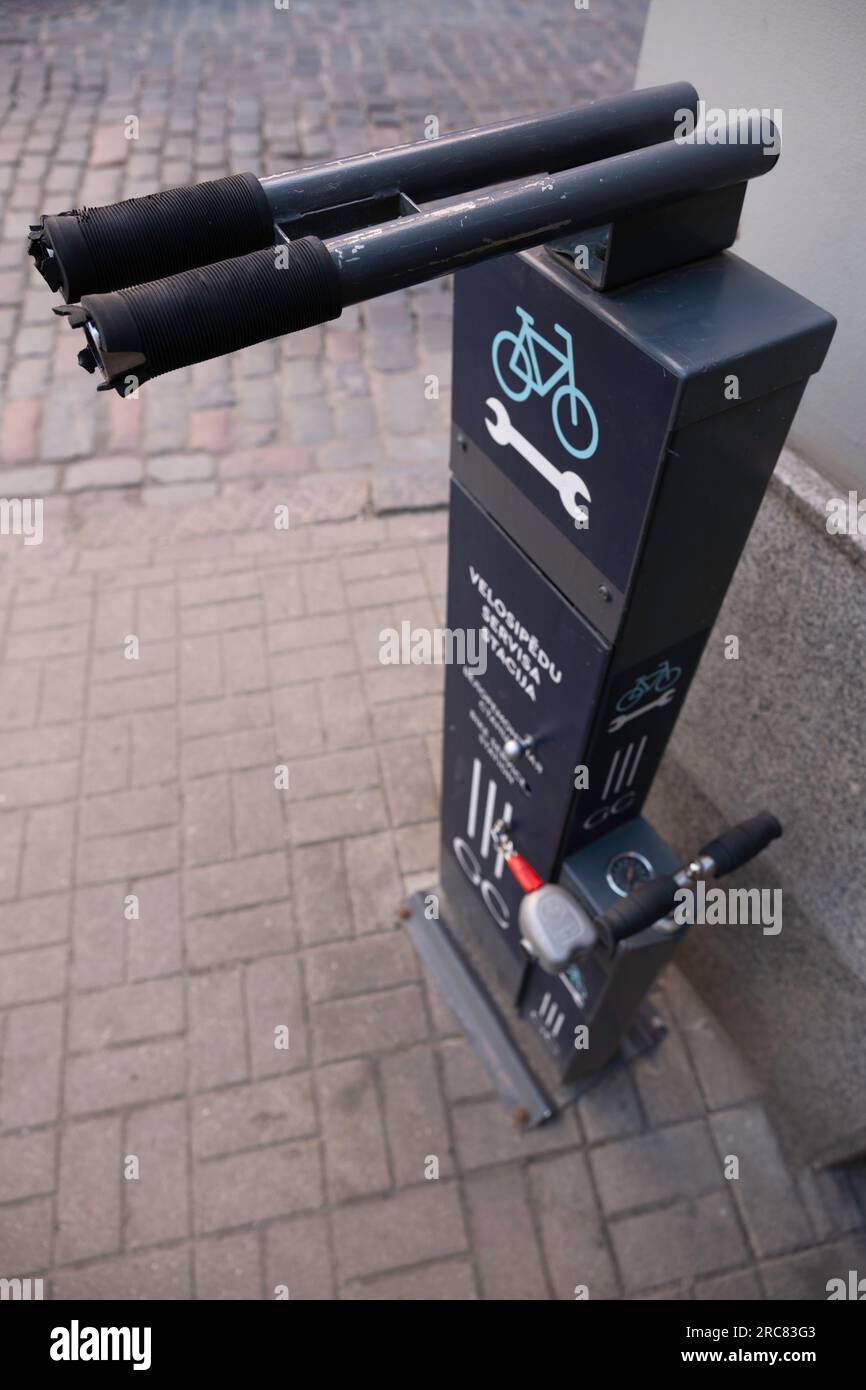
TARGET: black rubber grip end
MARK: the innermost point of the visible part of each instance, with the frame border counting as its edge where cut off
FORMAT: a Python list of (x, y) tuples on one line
[(95, 250), (739, 844), (143, 332), (646, 905)]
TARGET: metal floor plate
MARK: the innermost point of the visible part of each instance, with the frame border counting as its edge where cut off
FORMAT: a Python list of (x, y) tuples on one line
[(481, 1019)]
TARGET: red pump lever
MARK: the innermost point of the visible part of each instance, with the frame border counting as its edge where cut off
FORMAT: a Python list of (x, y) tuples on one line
[(524, 873), (526, 876)]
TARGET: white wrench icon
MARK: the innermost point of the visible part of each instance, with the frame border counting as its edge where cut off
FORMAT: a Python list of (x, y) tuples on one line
[(621, 719), (569, 485)]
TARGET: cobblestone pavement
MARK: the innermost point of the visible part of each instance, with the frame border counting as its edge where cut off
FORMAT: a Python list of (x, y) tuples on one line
[(220, 87), (165, 909)]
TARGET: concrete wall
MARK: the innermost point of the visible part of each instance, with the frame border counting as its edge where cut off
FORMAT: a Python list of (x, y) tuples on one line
[(783, 726), (804, 222)]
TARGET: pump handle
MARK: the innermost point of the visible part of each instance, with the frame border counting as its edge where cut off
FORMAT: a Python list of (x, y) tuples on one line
[(654, 899), (138, 333), (94, 250), (740, 843)]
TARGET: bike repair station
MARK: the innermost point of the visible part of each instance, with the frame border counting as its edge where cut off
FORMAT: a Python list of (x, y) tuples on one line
[(622, 387)]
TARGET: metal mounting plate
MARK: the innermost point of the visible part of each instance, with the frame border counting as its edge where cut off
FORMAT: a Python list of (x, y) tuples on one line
[(479, 1015), (482, 1021)]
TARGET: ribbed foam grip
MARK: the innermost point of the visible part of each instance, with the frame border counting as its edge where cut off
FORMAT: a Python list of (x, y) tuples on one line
[(646, 905), (213, 310), (143, 239), (740, 843)]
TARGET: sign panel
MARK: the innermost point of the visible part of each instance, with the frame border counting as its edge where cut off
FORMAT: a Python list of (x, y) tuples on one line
[(574, 413), (640, 710), (544, 671)]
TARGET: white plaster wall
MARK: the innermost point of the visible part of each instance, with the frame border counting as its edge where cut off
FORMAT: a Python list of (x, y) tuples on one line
[(804, 223)]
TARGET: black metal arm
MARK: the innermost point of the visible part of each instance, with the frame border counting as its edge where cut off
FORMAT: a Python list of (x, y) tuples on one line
[(95, 250), (141, 332)]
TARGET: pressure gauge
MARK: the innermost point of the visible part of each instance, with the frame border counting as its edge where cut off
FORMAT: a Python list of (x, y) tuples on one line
[(627, 870)]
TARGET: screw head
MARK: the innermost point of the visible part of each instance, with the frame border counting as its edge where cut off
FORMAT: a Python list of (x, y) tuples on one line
[(605, 593)]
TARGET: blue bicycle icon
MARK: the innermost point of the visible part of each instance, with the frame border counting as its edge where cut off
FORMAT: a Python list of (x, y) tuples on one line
[(656, 682), (515, 362)]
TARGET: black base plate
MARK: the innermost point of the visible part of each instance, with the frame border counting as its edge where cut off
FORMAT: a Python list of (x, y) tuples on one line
[(466, 993)]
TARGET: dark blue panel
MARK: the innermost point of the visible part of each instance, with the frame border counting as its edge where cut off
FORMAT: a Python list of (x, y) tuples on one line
[(592, 402), (545, 668)]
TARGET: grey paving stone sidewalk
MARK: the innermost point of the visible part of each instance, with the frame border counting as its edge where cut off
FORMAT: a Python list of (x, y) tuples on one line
[(169, 918)]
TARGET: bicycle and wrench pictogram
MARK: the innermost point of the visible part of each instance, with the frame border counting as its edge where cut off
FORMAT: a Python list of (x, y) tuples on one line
[(617, 723)]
